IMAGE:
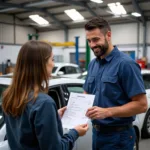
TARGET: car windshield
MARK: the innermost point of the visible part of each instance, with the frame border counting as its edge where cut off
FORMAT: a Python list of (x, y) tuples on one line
[(54, 69)]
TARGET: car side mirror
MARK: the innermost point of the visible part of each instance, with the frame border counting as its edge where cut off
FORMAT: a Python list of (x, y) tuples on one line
[(60, 73)]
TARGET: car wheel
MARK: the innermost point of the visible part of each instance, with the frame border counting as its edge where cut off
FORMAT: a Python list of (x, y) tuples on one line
[(136, 144), (146, 126)]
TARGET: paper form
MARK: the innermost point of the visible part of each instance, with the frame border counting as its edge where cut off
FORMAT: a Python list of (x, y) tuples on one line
[(77, 107)]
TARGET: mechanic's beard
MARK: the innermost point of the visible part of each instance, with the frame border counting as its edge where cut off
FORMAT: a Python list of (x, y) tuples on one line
[(102, 50)]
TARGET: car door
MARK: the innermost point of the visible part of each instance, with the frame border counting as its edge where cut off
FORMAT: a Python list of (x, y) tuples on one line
[(85, 142), (2, 88), (58, 93), (145, 117), (146, 79), (3, 144)]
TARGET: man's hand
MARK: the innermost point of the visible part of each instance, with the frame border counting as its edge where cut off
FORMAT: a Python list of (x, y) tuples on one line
[(98, 113), (61, 111)]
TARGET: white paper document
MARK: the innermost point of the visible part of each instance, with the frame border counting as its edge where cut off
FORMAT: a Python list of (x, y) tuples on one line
[(77, 107)]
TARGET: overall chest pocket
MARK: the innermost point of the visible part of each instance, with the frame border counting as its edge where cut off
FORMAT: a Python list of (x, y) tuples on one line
[(110, 86), (91, 83)]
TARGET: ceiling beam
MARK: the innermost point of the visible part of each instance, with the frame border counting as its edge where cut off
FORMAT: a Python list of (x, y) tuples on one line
[(10, 5), (2, 0), (82, 9), (66, 2), (134, 19), (81, 4), (35, 4), (27, 25), (141, 1), (46, 8), (90, 10), (45, 11), (138, 9), (39, 3)]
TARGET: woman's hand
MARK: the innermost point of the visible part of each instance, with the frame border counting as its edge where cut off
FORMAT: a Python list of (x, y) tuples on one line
[(82, 129), (61, 111)]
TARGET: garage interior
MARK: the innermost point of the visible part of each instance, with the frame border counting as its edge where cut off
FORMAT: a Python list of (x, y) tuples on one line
[(16, 27), (130, 32)]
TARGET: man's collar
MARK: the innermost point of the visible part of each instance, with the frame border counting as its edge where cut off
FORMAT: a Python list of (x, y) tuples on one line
[(109, 57)]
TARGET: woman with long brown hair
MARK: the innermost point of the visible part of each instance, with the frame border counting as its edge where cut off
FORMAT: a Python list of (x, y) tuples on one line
[(32, 120)]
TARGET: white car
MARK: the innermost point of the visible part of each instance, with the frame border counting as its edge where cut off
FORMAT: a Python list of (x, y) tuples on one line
[(9, 75), (66, 70), (59, 90), (144, 117)]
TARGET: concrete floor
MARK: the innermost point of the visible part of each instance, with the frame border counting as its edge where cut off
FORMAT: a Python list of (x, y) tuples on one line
[(144, 144)]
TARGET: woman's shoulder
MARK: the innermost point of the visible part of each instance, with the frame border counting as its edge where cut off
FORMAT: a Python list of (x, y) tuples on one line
[(42, 98), (43, 104)]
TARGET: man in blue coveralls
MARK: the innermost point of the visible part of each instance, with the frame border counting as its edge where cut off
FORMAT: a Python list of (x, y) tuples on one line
[(116, 81)]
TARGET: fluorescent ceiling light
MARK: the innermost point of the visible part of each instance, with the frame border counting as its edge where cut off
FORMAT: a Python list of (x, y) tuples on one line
[(136, 14), (117, 8), (78, 21), (41, 21), (97, 1), (74, 15)]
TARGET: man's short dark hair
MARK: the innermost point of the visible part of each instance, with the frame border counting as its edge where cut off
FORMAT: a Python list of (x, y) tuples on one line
[(98, 22)]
